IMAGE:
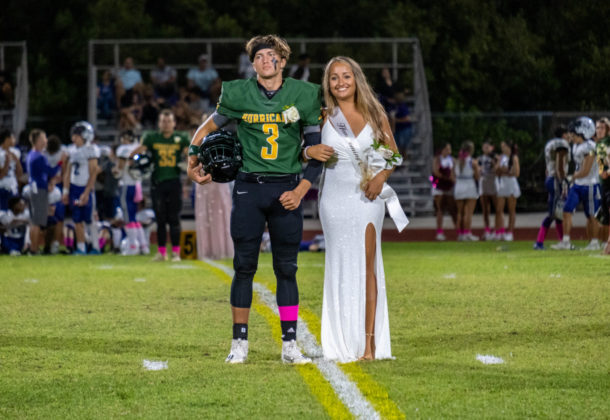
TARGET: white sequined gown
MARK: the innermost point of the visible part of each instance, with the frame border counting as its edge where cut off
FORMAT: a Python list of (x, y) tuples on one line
[(345, 213)]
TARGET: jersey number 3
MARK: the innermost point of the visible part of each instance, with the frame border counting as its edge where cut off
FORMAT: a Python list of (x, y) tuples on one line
[(270, 152)]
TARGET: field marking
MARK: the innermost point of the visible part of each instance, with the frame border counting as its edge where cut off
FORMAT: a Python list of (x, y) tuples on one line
[(155, 364), (335, 374), (488, 359)]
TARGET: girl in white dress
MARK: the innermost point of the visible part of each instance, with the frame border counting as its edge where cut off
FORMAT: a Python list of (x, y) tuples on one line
[(466, 191), (355, 324), (507, 171)]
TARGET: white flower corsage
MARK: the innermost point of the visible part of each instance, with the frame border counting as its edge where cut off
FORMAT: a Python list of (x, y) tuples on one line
[(377, 158), (291, 115), (391, 157)]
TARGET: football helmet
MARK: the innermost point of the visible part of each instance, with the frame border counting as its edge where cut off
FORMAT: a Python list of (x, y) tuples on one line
[(141, 166), (83, 129), (221, 155), (583, 126)]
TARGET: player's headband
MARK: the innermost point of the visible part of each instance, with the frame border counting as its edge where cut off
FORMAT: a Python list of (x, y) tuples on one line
[(259, 47)]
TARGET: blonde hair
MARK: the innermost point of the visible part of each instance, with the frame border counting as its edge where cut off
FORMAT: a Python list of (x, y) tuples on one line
[(366, 100), (269, 41)]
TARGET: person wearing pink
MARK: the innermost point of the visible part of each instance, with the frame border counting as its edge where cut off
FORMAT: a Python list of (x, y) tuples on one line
[(212, 218)]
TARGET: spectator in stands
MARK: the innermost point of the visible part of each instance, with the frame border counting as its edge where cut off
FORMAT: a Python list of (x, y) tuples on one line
[(10, 168), (507, 186), (443, 180), (129, 82), (151, 107), (300, 71), (487, 186), (13, 225), (189, 109), (201, 78), (106, 100), (403, 128), (131, 115), (385, 89), (163, 78), (244, 66), (466, 191), (7, 98), (43, 178)]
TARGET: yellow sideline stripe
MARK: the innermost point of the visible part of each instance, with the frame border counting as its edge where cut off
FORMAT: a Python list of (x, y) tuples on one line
[(371, 390), (318, 385)]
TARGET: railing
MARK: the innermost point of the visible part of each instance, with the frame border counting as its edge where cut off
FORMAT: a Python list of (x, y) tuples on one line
[(19, 62)]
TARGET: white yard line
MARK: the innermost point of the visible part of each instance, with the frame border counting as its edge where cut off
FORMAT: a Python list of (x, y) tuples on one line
[(346, 390)]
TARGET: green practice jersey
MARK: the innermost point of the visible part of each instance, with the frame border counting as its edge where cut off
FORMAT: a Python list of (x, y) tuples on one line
[(603, 153), (268, 129), (166, 152)]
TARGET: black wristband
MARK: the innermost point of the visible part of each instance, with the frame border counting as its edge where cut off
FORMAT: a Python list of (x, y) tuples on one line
[(193, 150)]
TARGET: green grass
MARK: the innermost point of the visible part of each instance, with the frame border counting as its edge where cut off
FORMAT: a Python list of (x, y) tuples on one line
[(72, 343)]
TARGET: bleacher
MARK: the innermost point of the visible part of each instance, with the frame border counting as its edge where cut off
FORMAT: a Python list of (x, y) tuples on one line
[(401, 55)]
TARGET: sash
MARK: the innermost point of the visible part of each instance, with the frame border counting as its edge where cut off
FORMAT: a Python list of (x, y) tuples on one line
[(388, 195)]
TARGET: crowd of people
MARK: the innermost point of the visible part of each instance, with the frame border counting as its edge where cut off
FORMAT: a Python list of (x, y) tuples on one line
[(576, 172), (136, 103)]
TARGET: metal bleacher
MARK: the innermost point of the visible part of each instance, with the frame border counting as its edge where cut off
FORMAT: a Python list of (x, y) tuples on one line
[(401, 55)]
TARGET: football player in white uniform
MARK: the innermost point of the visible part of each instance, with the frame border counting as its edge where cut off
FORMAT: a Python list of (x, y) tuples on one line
[(79, 182), (130, 196), (10, 168), (557, 157), (586, 185)]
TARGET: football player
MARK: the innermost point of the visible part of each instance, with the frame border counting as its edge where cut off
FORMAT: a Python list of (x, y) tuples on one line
[(272, 112), (130, 196), (167, 147), (557, 157), (586, 187), (79, 182)]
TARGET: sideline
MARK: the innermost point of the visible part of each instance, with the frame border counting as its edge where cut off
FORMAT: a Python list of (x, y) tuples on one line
[(328, 373)]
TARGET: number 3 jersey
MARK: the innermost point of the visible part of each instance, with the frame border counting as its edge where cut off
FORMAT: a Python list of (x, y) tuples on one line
[(269, 129), (166, 153), (79, 157)]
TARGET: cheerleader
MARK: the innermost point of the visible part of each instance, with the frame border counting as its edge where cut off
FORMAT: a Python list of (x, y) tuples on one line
[(507, 186), (466, 192)]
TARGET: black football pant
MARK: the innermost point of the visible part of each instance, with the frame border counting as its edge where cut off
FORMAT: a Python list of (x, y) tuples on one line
[(255, 204), (167, 204)]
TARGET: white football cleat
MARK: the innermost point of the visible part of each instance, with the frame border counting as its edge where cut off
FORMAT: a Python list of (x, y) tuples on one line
[(593, 246), (441, 236), (239, 351), (176, 258), (563, 245), (508, 237), (489, 236), (470, 237), (291, 354)]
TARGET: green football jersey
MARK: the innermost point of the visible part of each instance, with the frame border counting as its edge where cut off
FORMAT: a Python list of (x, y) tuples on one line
[(268, 129), (166, 152), (602, 150)]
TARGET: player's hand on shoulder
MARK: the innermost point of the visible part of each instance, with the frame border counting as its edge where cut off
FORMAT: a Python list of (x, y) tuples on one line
[(321, 152), (290, 200)]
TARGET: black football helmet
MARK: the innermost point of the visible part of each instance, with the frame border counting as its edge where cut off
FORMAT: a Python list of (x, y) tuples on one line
[(221, 156), (142, 166)]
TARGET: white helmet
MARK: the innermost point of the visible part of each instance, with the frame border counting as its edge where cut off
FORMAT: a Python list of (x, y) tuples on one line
[(83, 129), (583, 126)]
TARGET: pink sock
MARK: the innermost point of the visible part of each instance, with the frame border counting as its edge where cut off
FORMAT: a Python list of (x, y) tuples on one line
[(541, 234), (289, 313), (163, 250), (500, 231), (487, 230), (439, 231), (176, 250)]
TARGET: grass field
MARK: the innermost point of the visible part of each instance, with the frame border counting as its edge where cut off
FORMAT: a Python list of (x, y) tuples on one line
[(75, 332)]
